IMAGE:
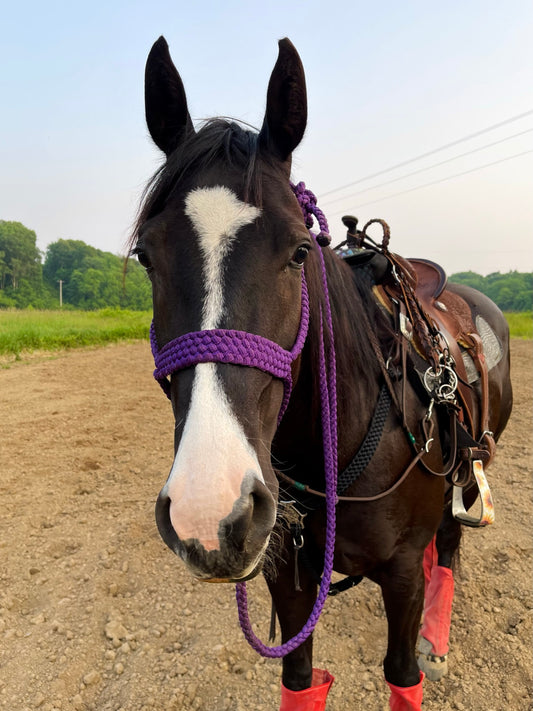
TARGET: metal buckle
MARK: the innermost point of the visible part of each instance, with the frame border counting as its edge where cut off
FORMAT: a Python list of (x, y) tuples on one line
[(406, 328)]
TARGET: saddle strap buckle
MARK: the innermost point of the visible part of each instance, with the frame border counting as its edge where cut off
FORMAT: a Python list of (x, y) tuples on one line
[(486, 516)]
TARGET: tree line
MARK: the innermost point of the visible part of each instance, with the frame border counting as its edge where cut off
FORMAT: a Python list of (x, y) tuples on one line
[(86, 278), (92, 279), (512, 291)]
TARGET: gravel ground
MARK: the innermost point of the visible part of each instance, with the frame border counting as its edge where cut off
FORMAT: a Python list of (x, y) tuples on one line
[(96, 614)]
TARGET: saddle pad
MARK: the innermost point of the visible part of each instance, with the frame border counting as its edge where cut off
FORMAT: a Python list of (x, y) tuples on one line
[(492, 348)]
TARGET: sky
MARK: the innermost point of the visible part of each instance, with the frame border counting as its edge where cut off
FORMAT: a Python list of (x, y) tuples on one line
[(387, 82)]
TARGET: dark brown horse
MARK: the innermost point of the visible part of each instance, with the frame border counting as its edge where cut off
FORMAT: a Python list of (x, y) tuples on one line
[(223, 240)]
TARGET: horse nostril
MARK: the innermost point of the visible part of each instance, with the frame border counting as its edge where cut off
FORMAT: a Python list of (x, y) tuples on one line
[(253, 515), (164, 524), (264, 508), (238, 523)]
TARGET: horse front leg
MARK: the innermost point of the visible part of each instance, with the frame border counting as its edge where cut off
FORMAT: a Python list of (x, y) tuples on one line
[(402, 585), (303, 688)]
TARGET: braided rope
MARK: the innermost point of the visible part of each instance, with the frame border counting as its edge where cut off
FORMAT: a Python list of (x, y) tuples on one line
[(220, 345), (307, 201)]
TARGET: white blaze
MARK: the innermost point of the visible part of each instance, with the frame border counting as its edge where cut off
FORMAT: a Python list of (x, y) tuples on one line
[(214, 454), (217, 215)]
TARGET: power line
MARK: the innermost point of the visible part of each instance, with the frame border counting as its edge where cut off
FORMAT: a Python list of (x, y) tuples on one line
[(442, 180), (429, 167), (429, 153)]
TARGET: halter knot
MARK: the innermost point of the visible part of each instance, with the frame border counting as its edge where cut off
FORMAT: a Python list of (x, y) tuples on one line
[(307, 201)]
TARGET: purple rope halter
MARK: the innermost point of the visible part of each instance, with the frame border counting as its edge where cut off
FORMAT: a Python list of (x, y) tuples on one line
[(220, 345), (241, 348), (328, 401)]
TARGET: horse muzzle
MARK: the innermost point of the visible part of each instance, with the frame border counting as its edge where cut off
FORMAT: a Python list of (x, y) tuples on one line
[(241, 541)]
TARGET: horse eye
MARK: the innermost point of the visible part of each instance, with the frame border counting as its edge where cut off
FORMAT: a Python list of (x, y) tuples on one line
[(142, 258), (299, 256)]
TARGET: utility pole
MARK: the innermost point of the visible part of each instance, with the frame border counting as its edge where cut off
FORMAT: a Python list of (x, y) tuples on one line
[(61, 293)]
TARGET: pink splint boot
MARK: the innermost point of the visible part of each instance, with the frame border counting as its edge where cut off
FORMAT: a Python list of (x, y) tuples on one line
[(406, 698), (438, 610), (311, 699), (435, 632)]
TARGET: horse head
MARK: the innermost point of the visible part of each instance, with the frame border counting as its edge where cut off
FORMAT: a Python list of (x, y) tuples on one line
[(223, 241)]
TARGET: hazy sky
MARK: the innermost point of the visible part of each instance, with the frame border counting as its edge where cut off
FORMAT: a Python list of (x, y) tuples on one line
[(387, 82)]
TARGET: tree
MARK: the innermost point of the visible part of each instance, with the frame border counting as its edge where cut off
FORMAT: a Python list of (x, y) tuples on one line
[(4, 270), (93, 279), (63, 258), (19, 257)]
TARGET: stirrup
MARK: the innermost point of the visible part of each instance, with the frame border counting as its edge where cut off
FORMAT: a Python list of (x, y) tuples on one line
[(486, 516)]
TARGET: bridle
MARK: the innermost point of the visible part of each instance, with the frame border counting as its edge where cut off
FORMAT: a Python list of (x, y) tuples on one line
[(246, 349)]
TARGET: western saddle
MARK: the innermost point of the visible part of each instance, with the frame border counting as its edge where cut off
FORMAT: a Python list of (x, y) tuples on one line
[(437, 323)]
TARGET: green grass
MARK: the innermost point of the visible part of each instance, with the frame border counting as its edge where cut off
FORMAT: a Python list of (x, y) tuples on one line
[(520, 324), (31, 330)]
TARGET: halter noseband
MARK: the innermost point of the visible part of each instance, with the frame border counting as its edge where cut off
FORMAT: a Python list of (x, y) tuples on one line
[(222, 345)]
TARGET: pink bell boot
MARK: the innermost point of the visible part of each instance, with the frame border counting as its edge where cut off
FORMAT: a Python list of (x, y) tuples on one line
[(406, 698), (438, 610), (311, 699)]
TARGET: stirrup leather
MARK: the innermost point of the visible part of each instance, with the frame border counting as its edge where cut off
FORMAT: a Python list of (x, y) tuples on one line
[(486, 516)]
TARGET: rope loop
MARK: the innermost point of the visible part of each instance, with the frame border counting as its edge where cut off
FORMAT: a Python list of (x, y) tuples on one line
[(386, 232)]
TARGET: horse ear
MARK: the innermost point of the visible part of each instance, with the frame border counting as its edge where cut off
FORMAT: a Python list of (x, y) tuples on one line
[(167, 115), (286, 111)]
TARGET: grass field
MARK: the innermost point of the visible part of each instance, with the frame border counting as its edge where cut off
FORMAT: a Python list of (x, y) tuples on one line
[(520, 325), (26, 331)]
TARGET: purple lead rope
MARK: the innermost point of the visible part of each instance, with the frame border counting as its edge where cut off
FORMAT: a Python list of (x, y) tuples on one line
[(328, 401)]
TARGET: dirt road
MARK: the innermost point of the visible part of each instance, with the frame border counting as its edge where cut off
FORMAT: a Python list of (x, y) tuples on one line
[(96, 614)]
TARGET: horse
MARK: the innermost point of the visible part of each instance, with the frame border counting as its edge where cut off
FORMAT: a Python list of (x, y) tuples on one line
[(241, 322)]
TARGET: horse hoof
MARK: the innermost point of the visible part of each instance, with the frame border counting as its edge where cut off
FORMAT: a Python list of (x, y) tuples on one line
[(433, 666)]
